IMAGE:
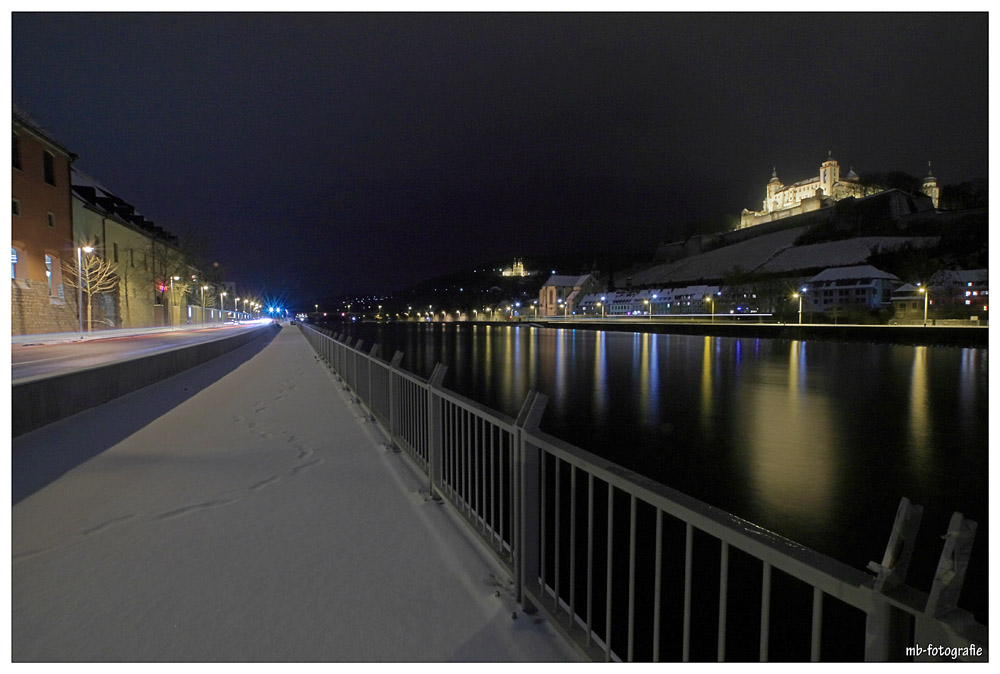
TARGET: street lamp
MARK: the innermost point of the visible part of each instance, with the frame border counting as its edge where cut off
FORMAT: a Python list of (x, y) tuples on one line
[(222, 306), (711, 300), (799, 295), (79, 280), (927, 297), (650, 303)]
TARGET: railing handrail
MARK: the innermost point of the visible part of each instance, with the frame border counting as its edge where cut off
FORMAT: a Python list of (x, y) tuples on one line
[(833, 577)]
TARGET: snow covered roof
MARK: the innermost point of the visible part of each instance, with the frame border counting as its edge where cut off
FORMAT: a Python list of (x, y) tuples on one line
[(567, 281), (855, 272)]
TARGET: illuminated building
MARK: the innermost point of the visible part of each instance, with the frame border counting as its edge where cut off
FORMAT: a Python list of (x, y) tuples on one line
[(804, 196)]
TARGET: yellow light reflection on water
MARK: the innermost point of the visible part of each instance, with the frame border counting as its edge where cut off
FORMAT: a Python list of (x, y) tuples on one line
[(919, 405), (791, 443)]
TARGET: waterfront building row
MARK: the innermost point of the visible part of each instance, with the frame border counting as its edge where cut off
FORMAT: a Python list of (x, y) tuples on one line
[(58, 213), (834, 290)]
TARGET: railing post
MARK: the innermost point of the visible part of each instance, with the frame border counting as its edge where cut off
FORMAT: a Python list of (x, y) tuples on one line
[(435, 460), (942, 621), (393, 412), (371, 382), (526, 497), (887, 628)]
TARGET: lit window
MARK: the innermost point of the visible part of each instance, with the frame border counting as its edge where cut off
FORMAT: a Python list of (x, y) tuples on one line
[(48, 271), (968, 301)]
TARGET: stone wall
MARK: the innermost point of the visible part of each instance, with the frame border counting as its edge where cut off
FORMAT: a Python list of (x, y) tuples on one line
[(33, 311)]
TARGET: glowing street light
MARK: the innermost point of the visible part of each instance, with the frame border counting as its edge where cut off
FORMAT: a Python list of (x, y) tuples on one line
[(711, 300), (601, 304), (799, 295), (927, 297), (222, 305)]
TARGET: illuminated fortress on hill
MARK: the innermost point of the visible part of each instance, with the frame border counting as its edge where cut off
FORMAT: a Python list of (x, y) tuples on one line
[(782, 201)]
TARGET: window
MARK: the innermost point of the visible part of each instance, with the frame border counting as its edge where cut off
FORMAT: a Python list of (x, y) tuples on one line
[(15, 152), (16, 206), (48, 271), (13, 259), (51, 218), (49, 166)]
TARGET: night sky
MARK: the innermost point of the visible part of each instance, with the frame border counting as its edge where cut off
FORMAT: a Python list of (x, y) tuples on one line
[(319, 154)]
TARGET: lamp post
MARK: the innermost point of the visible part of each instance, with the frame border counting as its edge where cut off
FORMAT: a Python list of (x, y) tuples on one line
[(927, 297), (798, 295), (651, 308), (222, 307), (603, 300), (236, 308), (79, 280), (711, 300)]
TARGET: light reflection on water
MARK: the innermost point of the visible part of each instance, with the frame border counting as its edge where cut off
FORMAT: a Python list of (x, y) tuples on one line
[(815, 440)]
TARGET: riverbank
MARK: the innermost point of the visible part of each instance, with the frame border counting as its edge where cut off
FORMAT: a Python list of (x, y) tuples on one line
[(917, 335)]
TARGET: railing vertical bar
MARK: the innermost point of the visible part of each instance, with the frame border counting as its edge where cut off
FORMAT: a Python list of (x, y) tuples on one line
[(572, 543), (817, 625), (501, 530), (657, 573), (494, 474), (631, 581), (483, 470), (765, 611), (541, 570), (557, 509), (468, 461), (723, 598), (607, 597), (590, 555), (686, 634)]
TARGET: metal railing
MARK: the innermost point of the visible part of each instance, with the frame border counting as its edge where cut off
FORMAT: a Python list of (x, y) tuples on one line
[(609, 557)]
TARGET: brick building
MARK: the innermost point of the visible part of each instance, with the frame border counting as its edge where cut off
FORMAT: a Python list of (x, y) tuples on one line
[(41, 231)]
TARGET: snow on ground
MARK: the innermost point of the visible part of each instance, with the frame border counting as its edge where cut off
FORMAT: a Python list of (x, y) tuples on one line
[(244, 512)]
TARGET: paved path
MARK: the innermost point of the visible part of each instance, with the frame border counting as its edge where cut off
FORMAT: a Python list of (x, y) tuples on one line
[(244, 512)]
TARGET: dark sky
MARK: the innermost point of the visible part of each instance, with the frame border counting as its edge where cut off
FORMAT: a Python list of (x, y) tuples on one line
[(317, 154)]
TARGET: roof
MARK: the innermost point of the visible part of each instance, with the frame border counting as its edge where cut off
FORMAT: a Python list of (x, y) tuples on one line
[(567, 281), (855, 272), (24, 120)]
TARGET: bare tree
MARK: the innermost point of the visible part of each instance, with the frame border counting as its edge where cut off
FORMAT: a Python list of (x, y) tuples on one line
[(95, 276)]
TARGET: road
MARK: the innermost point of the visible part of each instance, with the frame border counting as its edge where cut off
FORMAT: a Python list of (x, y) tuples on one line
[(33, 360)]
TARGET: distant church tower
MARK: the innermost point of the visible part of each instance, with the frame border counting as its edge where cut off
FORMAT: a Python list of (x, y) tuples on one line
[(930, 186)]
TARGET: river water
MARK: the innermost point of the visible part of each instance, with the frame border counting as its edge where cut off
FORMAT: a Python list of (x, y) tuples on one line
[(814, 440)]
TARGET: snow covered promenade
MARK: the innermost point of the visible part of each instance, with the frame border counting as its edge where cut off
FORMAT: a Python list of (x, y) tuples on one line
[(244, 512)]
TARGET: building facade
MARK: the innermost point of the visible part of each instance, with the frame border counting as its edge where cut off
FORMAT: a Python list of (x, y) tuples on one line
[(137, 249), (850, 288), (41, 232), (560, 294)]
